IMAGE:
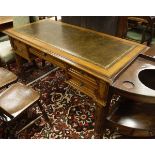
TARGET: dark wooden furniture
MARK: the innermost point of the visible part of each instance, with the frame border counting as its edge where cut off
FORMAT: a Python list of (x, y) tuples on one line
[(5, 22), (135, 111), (113, 25), (136, 86), (133, 119), (140, 29), (150, 52), (6, 77), (92, 60), (14, 101)]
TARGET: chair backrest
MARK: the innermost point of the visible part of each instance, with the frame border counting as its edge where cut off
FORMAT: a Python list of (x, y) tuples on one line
[(142, 19), (142, 25), (6, 77)]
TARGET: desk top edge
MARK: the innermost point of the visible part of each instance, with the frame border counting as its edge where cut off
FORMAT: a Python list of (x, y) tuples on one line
[(106, 74)]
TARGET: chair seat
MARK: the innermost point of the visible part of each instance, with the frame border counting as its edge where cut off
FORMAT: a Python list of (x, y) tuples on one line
[(6, 77), (17, 98), (134, 115), (6, 52), (137, 36)]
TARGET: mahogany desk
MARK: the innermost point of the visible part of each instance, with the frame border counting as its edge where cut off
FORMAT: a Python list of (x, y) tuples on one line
[(92, 60)]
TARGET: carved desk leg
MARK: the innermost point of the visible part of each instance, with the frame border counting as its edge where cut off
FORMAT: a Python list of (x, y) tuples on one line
[(19, 63), (17, 57), (100, 116), (101, 109)]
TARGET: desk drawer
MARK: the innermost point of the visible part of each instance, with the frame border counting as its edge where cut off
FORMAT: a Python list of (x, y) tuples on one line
[(21, 49), (47, 57), (82, 82), (83, 77)]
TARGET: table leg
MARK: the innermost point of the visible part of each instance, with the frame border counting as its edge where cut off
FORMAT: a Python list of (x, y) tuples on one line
[(100, 117), (19, 63), (102, 108)]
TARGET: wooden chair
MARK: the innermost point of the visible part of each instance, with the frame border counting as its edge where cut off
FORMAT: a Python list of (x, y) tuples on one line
[(13, 102), (140, 29), (133, 114), (6, 78)]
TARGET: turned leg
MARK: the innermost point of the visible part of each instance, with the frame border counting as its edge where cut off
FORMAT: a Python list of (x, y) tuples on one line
[(19, 63), (101, 109), (100, 120)]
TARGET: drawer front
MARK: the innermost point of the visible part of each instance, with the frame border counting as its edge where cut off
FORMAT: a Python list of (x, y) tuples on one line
[(83, 77), (47, 57), (21, 49), (82, 87), (82, 82)]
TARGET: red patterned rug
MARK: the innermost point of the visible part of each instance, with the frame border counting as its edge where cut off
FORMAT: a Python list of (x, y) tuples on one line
[(71, 112)]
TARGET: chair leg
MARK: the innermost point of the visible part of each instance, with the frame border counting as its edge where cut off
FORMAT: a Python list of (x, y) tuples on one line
[(4, 130), (149, 42), (44, 114), (29, 124), (8, 134)]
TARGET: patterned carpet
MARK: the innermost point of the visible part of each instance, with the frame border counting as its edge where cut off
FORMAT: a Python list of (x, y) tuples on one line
[(71, 112)]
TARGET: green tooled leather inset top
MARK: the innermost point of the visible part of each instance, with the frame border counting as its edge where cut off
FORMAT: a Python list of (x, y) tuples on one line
[(88, 45)]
